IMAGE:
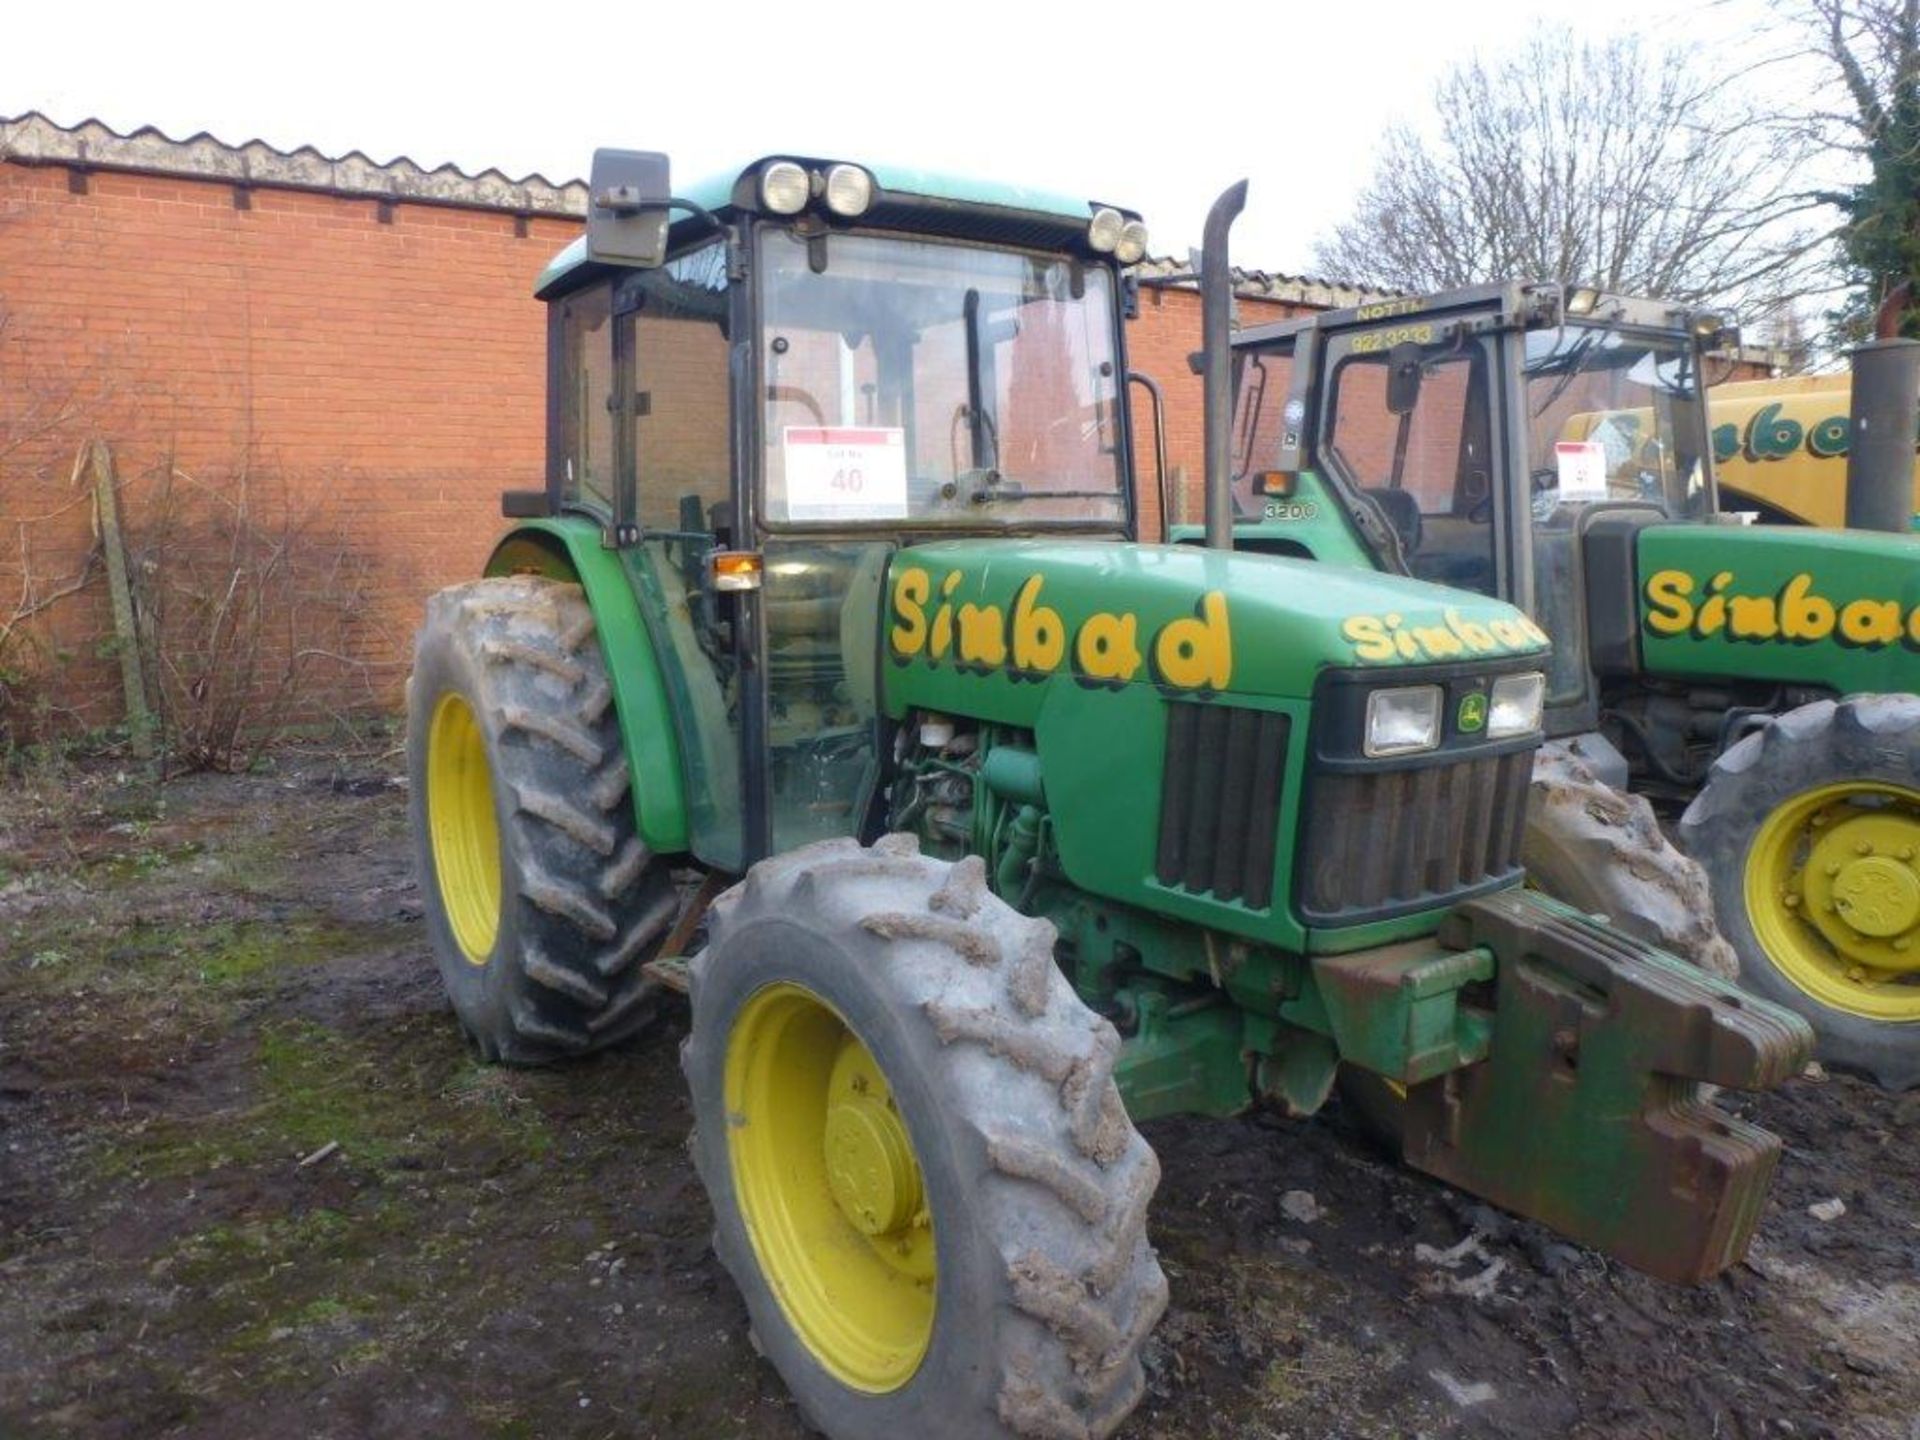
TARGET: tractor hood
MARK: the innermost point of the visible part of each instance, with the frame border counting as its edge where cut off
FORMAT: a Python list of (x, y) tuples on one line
[(977, 627), (1839, 609)]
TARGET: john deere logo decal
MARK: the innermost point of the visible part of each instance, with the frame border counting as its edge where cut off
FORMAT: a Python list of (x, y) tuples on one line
[(1473, 712)]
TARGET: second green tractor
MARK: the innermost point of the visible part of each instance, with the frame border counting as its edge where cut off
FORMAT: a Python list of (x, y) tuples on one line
[(1552, 446)]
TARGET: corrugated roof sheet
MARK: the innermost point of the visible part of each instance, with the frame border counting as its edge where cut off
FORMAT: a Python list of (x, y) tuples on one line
[(34, 139), (1262, 285)]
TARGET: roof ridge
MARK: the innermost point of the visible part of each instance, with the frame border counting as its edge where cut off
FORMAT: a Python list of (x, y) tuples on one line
[(34, 137), (1255, 284)]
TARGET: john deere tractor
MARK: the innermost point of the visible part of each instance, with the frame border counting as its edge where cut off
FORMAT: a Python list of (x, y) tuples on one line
[(825, 680), (1551, 446)]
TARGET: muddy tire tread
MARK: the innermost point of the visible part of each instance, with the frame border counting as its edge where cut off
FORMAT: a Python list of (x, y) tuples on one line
[(1865, 737), (591, 898), (1065, 1352), (1603, 851)]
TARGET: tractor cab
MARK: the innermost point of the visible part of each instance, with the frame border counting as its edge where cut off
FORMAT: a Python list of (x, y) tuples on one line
[(1476, 438), (759, 391)]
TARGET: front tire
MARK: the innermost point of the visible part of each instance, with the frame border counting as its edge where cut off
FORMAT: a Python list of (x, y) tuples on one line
[(923, 1179), (1810, 831), (542, 901)]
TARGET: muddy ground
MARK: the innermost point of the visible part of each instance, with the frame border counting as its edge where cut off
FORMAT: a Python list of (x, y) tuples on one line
[(202, 990)]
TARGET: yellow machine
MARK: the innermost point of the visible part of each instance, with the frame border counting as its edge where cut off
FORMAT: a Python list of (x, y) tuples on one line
[(1781, 446)]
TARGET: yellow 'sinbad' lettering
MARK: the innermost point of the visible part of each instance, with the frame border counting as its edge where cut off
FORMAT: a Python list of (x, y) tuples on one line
[(1670, 593), (1107, 648), (1197, 654), (910, 594), (1039, 637), (1476, 636), (942, 640), (1368, 636), (1392, 637), (1752, 617), (1795, 614), (1870, 622), (983, 635), (1713, 610), (1804, 616)]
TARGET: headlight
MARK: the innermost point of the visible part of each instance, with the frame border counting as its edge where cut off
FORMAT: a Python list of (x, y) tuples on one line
[(1513, 705), (1399, 722), (849, 190), (1132, 248), (1104, 230), (784, 188)]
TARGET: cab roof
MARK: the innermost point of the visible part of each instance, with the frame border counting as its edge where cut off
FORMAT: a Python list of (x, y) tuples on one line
[(903, 197)]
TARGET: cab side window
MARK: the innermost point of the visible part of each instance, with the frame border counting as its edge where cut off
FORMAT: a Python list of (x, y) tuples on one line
[(1427, 471), (678, 411), (583, 395)]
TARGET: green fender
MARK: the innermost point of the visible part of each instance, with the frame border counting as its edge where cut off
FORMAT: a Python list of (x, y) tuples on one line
[(566, 548)]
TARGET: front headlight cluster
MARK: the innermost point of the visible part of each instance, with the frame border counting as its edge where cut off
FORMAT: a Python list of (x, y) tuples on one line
[(785, 189), (1408, 719), (1403, 721), (1111, 233), (1513, 705)]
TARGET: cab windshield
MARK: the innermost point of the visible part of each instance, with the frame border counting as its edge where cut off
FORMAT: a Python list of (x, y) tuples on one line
[(928, 383), (1615, 416)]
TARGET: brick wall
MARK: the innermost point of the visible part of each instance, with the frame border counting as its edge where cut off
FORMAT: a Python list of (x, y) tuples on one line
[(389, 373), (380, 364), (1159, 341)]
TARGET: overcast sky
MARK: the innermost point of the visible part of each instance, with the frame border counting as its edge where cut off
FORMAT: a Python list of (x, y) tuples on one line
[(1157, 107)]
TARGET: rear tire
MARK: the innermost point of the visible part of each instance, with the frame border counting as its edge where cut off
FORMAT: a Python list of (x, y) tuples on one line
[(541, 900), (1024, 1226), (1809, 821)]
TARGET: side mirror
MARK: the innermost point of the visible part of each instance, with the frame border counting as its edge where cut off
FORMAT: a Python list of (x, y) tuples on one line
[(627, 208), (1403, 379)]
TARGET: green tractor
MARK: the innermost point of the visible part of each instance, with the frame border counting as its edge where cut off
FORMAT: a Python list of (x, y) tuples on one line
[(1552, 447), (826, 681)]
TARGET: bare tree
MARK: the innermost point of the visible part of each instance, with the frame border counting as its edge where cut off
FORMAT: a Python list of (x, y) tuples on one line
[(1872, 47), (1588, 162)]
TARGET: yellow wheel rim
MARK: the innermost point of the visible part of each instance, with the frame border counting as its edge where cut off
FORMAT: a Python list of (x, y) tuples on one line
[(1833, 891), (830, 1188), (464, 830)]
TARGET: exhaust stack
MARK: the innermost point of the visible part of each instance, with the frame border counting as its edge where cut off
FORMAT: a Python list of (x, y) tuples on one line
[(1884, 426), (1216, 320)]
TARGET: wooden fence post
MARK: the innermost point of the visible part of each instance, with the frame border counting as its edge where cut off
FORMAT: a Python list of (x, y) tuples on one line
[(106, 504)]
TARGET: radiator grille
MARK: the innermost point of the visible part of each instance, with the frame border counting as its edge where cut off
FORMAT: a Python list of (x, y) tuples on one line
[(1377, 843), (1220, 801)]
